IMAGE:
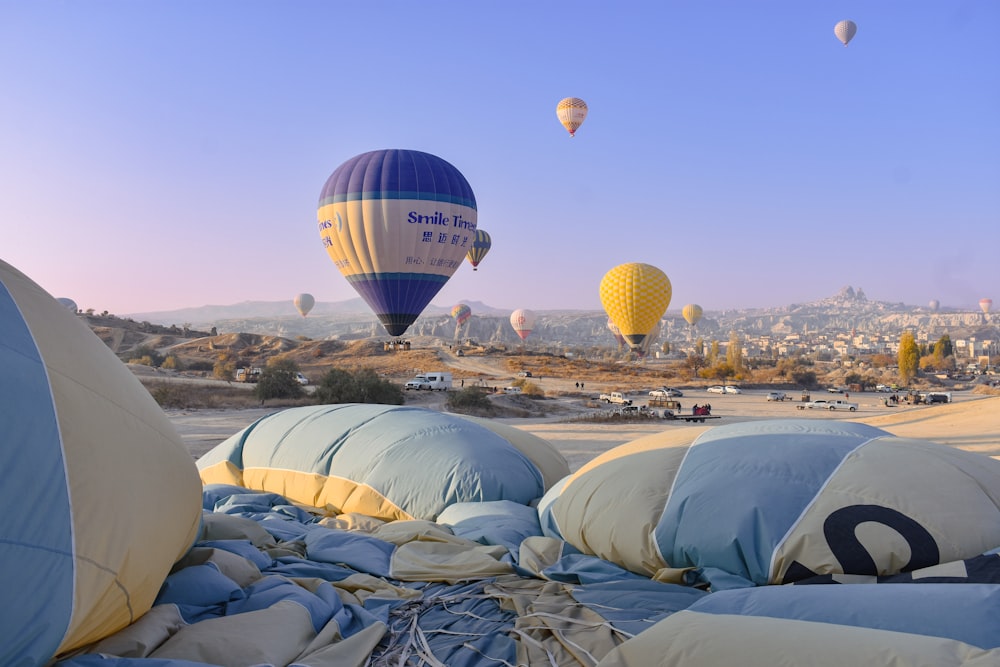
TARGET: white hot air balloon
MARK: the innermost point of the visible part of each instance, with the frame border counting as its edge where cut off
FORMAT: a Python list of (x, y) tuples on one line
[(845, 31)]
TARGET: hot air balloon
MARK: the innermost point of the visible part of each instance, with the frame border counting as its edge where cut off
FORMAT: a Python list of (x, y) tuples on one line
[(571, 112), (985, 304), (397, 224), (461, 313), (934, 305), (304, 303), (845, 31), (613, 328), (635, 296), (523, 321), (481, 245), (692, 313)]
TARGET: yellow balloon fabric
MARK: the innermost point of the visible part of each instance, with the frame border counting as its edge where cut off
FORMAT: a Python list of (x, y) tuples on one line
[(635, 296)]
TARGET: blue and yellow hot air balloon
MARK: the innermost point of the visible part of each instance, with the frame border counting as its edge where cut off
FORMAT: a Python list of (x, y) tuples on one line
[(397, 223), (480, 246)]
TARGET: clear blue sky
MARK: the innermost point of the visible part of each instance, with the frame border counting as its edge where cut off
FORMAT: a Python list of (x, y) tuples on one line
[(165, 154)]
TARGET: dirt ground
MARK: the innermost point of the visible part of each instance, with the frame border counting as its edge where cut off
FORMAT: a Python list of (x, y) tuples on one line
[(971, 422)]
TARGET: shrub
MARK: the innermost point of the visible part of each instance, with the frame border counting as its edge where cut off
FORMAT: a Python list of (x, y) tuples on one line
[(277, 380), (471, 400), (145, 355), (362, 386)]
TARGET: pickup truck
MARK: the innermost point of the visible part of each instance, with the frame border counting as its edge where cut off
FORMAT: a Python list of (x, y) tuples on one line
[(616, 397), (828, 405)]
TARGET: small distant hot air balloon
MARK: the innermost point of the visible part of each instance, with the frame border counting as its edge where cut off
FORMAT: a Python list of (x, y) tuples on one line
[(461, 313), (692, 313), (304, 303), (985, 305), (523, 321), (68, 303), (635, 296), (572, 111), (481, 245), (845, 31), (613, 328), (397, 224), (934, 305)]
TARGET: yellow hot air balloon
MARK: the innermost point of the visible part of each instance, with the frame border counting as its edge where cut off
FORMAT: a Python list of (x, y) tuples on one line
[(845, 31), (571, 112), (692, 313), (635, 296)]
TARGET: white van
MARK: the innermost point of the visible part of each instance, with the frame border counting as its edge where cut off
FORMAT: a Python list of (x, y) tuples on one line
[(439, 380)]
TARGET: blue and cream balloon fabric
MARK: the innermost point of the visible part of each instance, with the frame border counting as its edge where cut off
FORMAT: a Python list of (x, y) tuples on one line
[(387, 462), (780, 501), (100, 495), (397, 224)]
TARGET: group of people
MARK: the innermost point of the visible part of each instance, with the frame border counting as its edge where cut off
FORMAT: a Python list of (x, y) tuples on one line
[(701, 409)]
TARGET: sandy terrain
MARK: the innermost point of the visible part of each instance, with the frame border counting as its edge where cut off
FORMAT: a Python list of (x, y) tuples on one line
[(971, 422)]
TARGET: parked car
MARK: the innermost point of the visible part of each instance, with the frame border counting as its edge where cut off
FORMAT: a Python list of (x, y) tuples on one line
[(728, 389), (883, 388), (301, 379), (512, 390), (836, 404), (524, 374), (776, 396), (666, 392)]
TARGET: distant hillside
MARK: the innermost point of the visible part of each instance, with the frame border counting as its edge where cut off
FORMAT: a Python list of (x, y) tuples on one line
[(845, 311)]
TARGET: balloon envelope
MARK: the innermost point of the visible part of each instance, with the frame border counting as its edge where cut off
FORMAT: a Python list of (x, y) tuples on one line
[(107, 496), (397, 224), (845, 31), (481, 245), (934, 304), (616, 332), (461, 313), (635, 296), (692, 313), (523, 321), (985, 305), (571, 112), (304, 303)]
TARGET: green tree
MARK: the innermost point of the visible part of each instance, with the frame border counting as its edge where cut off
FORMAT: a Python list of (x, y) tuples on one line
[(943, 347), (278, 380), (364, 386), (908, 357)]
